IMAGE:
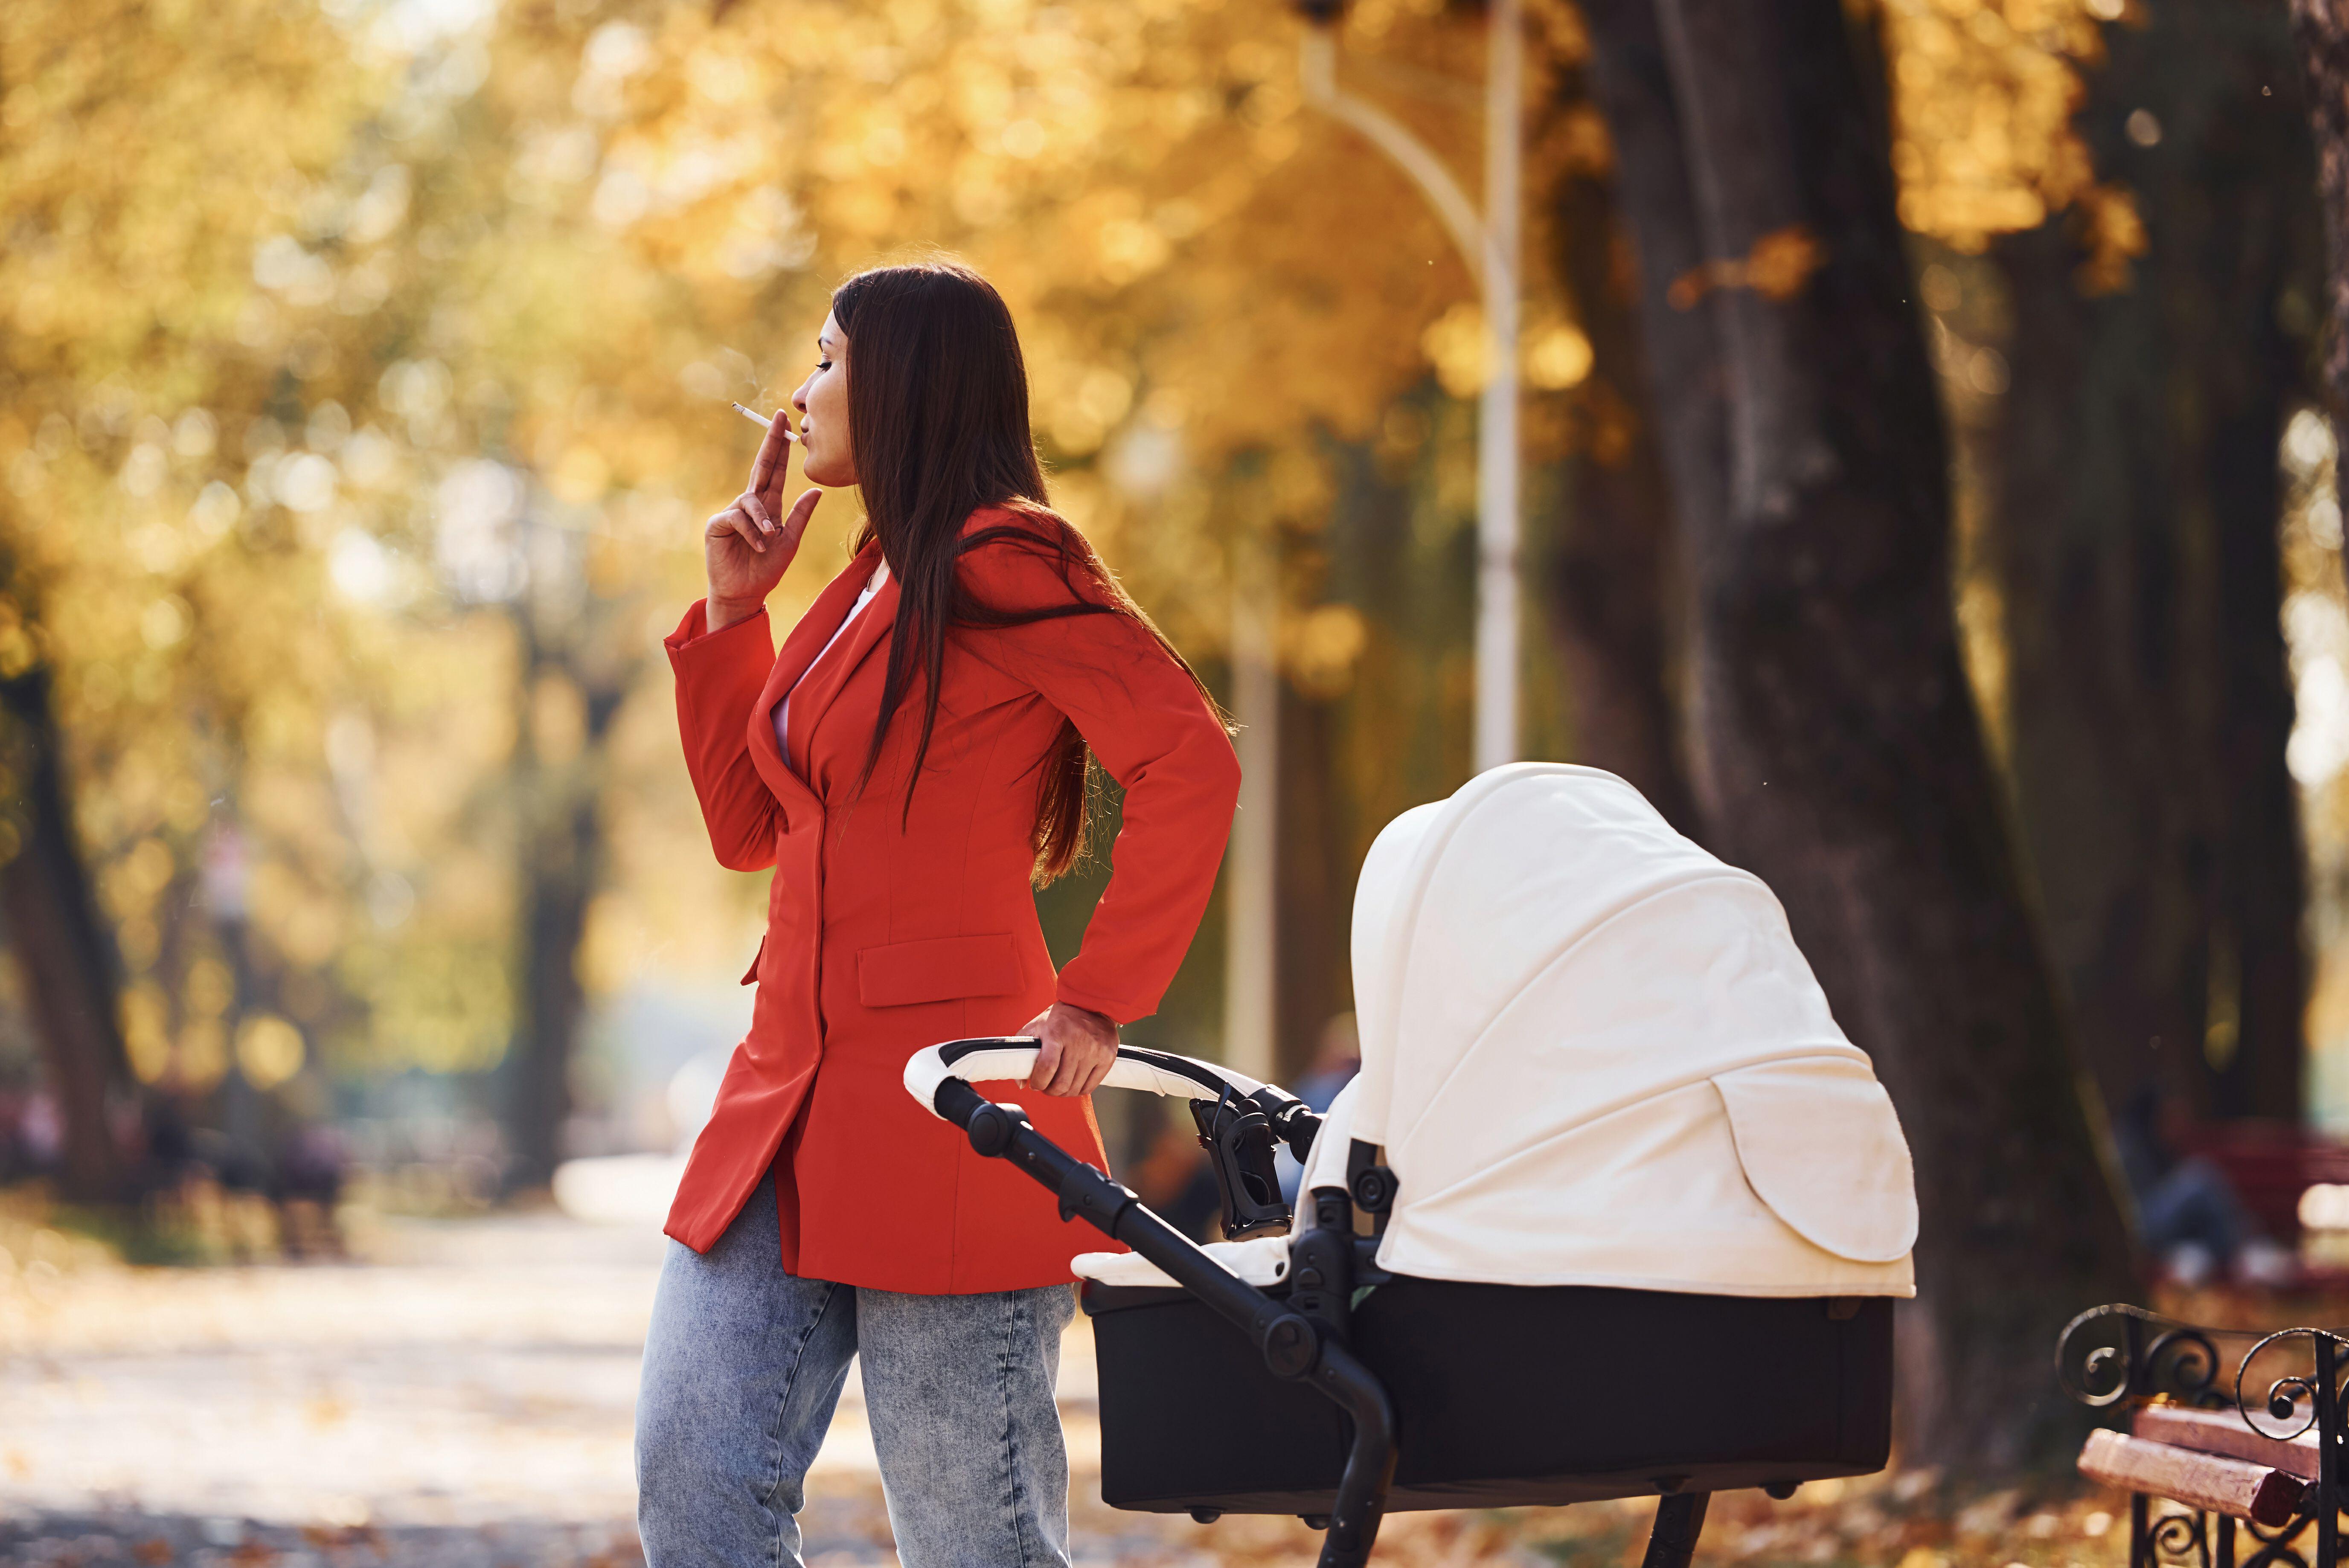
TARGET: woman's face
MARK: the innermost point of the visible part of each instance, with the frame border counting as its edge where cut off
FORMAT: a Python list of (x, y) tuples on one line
[(822, 403)]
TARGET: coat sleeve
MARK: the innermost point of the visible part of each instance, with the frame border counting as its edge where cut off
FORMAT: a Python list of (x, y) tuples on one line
[(1145, 720), (719, 677)]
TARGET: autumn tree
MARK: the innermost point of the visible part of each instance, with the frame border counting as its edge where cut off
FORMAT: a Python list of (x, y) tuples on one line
[(125, 276), (1841, 757), (1615, 587), (2320, 29), (2156, 342)]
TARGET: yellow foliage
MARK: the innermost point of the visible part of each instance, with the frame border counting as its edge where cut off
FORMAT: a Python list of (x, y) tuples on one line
[(146, 1032), (1558, 356), (1983, 92), (1777, 267), (269, 1050), (201, 1058), (1321, 646), (363, 388), (1456, 344)]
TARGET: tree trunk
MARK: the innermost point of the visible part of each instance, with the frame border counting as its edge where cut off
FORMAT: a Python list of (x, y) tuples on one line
[(559, 873), (2134, 539), (2261, 886), (1840, 757), (1614, 598), (563, 853), (2234, 260), (2321, 27), (2093, 565), (63, 955), (1678, 353)]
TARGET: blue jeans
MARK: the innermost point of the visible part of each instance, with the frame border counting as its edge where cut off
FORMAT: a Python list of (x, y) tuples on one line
[(744, 1363)]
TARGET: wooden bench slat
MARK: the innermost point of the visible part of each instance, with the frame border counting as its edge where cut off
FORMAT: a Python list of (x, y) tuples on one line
[(2223, 1432), (2263, 1495)]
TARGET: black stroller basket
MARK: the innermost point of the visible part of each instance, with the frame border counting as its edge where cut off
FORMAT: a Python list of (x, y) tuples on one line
[(1348, 1392)]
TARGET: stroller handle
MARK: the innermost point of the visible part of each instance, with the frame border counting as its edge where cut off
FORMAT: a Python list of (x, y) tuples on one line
[(1293, 1345), (998, 1057), (1240, 1119)]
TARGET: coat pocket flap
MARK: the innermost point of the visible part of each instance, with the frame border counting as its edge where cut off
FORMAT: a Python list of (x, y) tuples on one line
[(1822, 1145), (940, 970)]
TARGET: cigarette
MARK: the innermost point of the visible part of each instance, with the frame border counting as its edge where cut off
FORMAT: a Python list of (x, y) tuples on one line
[(765, 423)]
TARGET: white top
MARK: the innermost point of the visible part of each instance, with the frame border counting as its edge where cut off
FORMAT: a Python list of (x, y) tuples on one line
[(1594, 1057), (784, 708)]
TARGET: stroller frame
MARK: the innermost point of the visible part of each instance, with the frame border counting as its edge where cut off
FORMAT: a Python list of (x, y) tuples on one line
[(1302, 1339)]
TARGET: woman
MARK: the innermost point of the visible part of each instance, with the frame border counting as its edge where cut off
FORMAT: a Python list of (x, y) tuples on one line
[(910, 762)]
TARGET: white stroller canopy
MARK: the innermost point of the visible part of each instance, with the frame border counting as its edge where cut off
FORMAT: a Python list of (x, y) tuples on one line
[(1594, 1057)]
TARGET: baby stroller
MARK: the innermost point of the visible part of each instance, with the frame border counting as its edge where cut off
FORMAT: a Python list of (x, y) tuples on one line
[(1612, 1209)]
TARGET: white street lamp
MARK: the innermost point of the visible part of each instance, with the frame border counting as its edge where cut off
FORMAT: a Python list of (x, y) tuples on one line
[(1251, 913), (1490, 247)]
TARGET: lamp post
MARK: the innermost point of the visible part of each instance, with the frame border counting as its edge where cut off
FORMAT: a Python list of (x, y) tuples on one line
[(1251, 910), (1489, 245)]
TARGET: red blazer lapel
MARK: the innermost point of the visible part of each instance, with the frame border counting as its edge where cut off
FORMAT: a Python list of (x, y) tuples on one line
[(825, 682), (799, 650)]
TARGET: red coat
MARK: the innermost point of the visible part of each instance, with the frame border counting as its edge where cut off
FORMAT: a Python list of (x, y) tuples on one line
[(883, 938)]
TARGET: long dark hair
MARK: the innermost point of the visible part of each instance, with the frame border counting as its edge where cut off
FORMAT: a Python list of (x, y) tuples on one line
[(937, 419)]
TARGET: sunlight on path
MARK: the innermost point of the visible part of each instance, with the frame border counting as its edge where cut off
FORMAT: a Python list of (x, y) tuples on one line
[(463, 1399), (476, 1373)]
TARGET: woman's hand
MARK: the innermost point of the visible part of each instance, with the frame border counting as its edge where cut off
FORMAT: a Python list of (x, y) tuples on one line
[(746, 548), (1079, 1049)]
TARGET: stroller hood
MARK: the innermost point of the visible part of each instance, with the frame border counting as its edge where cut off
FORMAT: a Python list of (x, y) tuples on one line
[(1594, 1057)]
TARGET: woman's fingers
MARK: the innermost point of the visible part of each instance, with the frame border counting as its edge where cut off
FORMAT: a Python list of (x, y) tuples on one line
[(1047, 1052), (1084, 1062), (1104, 1056), (778, 475), (1089, 1052), (760, 510), (1048, 1061), (771, 460), (1077, 1050), (1102, 1061), (735, 521), (795, 522)]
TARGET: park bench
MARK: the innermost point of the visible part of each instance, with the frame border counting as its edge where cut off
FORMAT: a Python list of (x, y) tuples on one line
[(2239, 1445), (2271, 1167)]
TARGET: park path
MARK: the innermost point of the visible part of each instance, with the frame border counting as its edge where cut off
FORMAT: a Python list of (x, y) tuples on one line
[(465, 1395), (462, 1396)]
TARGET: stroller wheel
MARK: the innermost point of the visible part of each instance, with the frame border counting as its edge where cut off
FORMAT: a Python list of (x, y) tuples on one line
[(1315, 1520), (1205, 1515)]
